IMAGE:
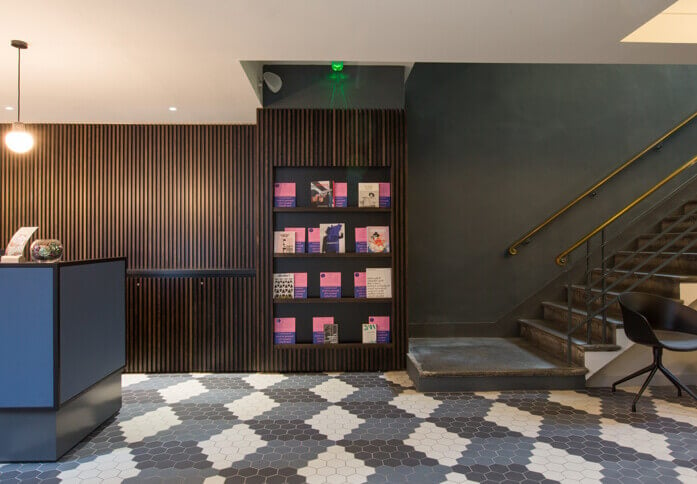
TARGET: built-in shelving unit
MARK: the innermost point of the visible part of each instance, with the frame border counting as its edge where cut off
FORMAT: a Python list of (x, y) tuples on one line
[(329, 300)]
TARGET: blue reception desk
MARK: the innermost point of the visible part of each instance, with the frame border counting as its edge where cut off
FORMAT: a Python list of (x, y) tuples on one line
[(62, 351)]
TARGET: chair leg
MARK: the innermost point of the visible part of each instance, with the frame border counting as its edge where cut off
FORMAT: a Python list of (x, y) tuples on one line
[(676, 382), (643, 387), (634, 375)]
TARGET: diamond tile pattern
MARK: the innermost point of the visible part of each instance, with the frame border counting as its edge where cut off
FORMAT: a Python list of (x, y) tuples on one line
[(368, 427)]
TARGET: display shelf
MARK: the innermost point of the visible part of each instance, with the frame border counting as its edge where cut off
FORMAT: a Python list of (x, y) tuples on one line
[(330, 300), (331, 209), (349, 255), (325, 346)]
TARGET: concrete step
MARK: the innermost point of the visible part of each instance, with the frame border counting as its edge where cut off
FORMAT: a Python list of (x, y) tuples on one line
[(683, 264), (558, 313), (658, 244), (550, 338), (687, 225), (481, 364), (689, 206), (579, 299), (663, 284)]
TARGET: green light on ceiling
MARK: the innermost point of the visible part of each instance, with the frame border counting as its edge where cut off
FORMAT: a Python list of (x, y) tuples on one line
[(337, 66)]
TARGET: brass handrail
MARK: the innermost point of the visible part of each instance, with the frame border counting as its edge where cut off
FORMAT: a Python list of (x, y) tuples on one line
[(562, 258), (512, 249)]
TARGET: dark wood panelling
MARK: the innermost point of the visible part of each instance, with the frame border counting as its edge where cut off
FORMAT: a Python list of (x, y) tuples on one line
[(166, 197), (328, 138)]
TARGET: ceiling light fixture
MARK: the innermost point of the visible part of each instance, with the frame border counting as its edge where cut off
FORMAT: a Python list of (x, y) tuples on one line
[(9, 108), (172, 108), (273, 81), (19, 140)]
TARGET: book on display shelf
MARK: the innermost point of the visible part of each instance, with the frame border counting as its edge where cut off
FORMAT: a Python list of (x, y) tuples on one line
[(359, 288), (299, 238), (284, 242), (330, 285), (369, 195), (318, 323), (340, 192), (378, 282), (378, 239), (284, 285), (314, 240), (385, 195), (361, 240), (321, 194), (284, 195), (333, 240), (382, 324), (369, 333), (300, 285), (331, 333), (284, 331)]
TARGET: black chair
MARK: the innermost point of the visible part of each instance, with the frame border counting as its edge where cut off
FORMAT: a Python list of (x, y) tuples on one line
[(661, 323)]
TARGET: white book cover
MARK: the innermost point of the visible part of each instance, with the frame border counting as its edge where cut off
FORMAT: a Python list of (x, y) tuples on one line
[(284, 242), (378, 239), (332, 238), (368, 194), (370, 333), (284, 285), (378, 282)]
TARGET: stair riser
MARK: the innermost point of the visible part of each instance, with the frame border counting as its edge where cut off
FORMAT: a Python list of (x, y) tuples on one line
[(684, 226), (562, 316), (579, 301), (680, 265), (552, 344), (656, 285), (660, 243), (689, 207)]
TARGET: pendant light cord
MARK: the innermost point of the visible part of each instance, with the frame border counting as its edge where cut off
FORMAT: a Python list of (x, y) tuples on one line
[(19, 70)]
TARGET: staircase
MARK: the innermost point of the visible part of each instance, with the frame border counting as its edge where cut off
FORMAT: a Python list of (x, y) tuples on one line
[(660, 263)]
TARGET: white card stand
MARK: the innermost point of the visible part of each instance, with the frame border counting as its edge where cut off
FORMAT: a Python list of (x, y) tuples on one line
[(12, 259)]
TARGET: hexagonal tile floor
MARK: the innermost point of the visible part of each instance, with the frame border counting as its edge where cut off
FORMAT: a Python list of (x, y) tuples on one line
[(370, 427)]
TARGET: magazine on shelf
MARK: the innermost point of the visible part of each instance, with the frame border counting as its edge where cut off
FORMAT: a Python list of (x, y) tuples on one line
[(321, 194), (284, 285), (331, 333), (382, 324), (385, 201), (333, 240), (378, 239), (361, 240), (284, 194), (314, 241), (299, 238), (284, 331), (330, 284), (359, 288), (369, 333), (318, 328), (340, 191), (378, 282), (284, 242), (369, 195), (300, 285)]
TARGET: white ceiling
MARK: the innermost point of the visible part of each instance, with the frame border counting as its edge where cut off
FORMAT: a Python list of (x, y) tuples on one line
[(126, 61), (677, 25)]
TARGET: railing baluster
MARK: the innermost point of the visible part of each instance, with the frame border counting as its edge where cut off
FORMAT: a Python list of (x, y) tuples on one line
[(587, 294), (569, 302), (603, 276)]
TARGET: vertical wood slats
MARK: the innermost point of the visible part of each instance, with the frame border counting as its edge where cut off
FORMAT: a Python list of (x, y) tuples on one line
[(199, 197), (326, 138), (165, 197)]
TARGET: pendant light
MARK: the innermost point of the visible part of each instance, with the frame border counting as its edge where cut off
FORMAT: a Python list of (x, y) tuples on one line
[(19, 140)]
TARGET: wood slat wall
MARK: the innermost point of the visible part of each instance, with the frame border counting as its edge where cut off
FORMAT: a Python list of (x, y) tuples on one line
[(342, 138), (199, 197), (165, 197)]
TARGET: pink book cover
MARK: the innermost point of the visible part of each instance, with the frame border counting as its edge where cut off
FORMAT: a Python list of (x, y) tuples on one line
[(382, 324), (284, 194), (300, 285), (318, 328), (330, 284), (385, 195), (361, 240), (340, 194), (299, 238), (284, 331), (314, 240), (359, 285)]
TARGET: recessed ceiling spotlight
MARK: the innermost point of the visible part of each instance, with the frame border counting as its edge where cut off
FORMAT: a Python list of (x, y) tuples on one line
[(9, 108), (172, 108)]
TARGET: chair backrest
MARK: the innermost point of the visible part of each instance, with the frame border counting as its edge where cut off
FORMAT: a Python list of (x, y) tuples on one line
[(642, 313)]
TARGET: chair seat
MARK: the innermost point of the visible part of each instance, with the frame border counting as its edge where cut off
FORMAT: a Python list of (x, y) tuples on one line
[(677, 341)]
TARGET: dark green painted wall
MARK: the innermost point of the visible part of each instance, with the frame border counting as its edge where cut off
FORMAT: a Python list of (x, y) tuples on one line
[(495, 148)]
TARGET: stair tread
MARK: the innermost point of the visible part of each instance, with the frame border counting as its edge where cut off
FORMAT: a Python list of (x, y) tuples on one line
[(594, 289), (549, 327), (679, 277), (617, 322), (649, 252)]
